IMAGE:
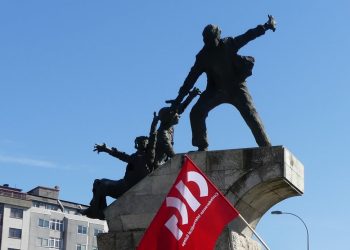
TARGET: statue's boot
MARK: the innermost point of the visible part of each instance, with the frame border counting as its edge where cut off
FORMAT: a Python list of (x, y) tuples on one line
[(93, 213)]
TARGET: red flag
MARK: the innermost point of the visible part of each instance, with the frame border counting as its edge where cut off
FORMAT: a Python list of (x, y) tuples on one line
[(192, 216)]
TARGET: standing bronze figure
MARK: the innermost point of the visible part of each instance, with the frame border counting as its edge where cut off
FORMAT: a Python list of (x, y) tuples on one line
[(226, 73), (169, 117)]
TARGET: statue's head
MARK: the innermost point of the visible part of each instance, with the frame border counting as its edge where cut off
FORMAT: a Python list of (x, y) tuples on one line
[(211, 35), (168, 116), (141, 142)]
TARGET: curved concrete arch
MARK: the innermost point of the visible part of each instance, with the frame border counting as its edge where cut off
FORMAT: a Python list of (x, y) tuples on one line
[(256, 201)]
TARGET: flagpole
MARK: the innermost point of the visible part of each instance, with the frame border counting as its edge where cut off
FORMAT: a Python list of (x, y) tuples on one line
[(255, 233)]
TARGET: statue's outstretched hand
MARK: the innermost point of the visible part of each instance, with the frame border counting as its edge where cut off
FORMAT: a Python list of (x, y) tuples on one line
[(100, 148), (271, 23)]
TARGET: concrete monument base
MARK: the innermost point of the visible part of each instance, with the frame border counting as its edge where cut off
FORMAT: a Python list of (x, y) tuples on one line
[(253, 180)]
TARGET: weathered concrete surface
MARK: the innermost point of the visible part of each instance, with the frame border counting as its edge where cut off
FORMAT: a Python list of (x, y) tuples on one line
[(228, 240), (119, 240), (253, 180)]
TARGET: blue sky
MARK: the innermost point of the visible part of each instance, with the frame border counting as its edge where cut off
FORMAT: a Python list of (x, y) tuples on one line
[(75, 73)]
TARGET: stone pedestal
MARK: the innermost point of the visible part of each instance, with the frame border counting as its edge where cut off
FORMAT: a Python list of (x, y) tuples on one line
[(253, 179)]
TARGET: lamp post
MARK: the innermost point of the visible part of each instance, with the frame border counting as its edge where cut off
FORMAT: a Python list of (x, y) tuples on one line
[(307, 231)]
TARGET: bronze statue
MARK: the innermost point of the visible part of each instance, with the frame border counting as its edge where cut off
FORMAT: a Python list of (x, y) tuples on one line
[(169, 116), (226, 73), (139, 164)]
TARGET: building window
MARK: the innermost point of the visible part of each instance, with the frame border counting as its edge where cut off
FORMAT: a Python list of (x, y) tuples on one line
[(94, 248), (43, 223), (15, 233), (16, 213), (36, 204), (82, 229), (81, 247), (55, 243), (69, 211), (45, 205), (13, 249), (56, 225), (51, 207), (42, 242), (97, 231)]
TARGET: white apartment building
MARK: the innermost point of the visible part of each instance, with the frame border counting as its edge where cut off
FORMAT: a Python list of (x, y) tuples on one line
[(39, 220)]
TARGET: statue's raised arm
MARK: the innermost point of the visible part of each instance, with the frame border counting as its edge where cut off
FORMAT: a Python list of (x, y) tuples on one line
[(112, 151), (251, 34)]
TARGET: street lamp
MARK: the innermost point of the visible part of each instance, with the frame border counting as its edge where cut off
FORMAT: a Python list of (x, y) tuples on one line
[(307, 231)]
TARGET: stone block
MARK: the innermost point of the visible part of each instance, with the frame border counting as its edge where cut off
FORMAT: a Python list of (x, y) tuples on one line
[(118, 241), (253, 180), (162, 184), (199, 159), (134, 222)]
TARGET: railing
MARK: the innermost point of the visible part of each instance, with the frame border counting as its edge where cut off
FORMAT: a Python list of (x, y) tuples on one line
[(13, 194)]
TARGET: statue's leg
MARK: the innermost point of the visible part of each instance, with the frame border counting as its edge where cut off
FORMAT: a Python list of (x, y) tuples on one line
[(198, 115), (160, 154), (115, 189), (96, 193), (244, 103), (98, 202), (101, 189), (93, 210)]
